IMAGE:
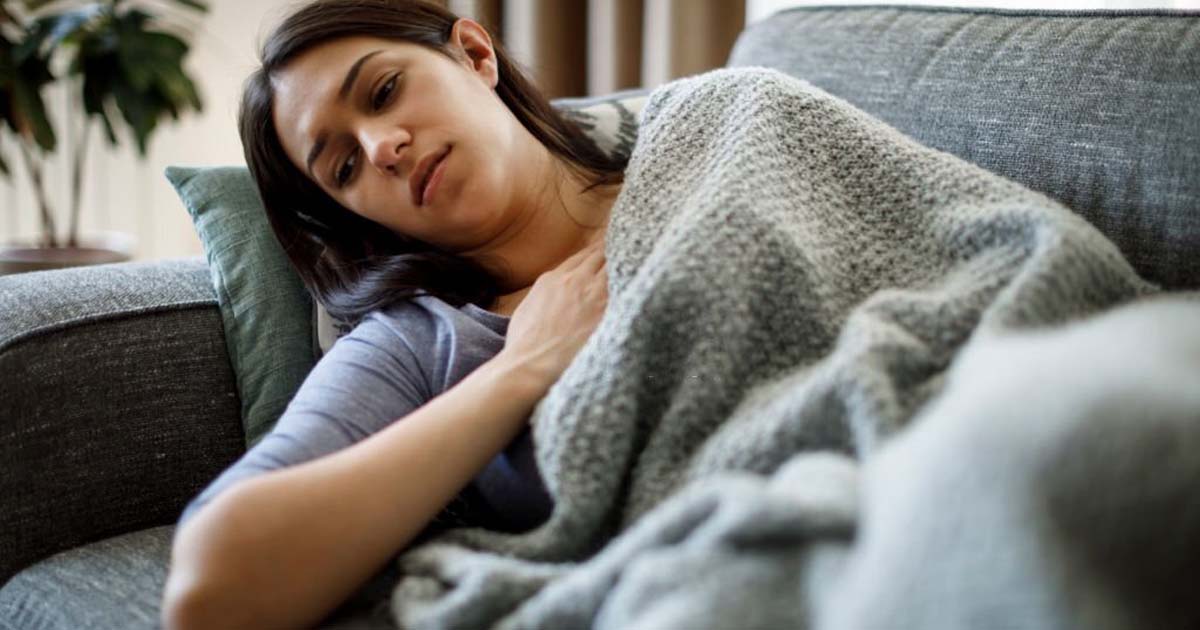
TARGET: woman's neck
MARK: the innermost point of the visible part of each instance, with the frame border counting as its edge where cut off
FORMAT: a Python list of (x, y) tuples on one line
[(560, 220), (507, 303)]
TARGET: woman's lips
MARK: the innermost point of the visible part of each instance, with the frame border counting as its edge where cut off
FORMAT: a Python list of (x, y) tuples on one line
[(435, 177)]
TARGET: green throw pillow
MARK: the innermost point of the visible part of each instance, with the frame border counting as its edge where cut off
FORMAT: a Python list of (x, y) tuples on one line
[(265, 308)]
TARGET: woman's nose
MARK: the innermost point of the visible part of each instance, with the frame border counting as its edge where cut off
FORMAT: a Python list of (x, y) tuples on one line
[(384, 147)]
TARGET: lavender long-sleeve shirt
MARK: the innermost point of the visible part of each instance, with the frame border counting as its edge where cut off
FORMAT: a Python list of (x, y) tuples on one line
[(394, 361)]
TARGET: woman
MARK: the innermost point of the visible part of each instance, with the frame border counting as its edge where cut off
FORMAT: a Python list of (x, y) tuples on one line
[(423, 188)]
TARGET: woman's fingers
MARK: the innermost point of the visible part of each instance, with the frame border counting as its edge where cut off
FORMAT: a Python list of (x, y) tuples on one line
[(560, 311)]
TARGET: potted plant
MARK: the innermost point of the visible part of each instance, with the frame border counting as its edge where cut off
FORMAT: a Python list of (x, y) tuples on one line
[(121, 63)]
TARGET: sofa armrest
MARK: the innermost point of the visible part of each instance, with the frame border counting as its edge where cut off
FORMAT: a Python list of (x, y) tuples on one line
[(118, 402)]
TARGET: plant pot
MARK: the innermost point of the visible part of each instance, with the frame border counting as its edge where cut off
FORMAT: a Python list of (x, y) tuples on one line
[(110, 247)]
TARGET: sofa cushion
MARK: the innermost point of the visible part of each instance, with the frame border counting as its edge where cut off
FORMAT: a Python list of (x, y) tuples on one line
[(115, 583), (1096, 108), (117, 402), (118, 583)]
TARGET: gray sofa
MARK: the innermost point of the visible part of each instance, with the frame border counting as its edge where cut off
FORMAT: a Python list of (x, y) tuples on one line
[(118, 401)]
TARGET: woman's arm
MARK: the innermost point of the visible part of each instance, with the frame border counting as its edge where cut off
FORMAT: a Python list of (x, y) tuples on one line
[(284, 549)]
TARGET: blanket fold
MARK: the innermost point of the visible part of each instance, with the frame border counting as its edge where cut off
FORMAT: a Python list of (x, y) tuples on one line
[(789, 281)]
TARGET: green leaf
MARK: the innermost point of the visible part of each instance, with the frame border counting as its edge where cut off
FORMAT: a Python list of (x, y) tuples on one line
[(25, 112), (106, 125), (151, 64), (176, 87), (127, 67), (94, 90), (26, 70), (156, 46), (138, 72), (30, 114), (8, 68), (71, 26), (100, 73), (146, 56), (191, 93), (132, 21), (139, 112), (34, 72), (97, 43), (109, 132), (6, 111), (32, 43), (167, 45)]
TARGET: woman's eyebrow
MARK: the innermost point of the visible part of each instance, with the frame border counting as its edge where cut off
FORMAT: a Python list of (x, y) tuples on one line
[(352, 74), (347, 84)]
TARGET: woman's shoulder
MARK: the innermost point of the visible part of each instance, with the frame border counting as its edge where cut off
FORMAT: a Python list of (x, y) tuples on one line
[(426, 307), (421, 319), (432, 341)]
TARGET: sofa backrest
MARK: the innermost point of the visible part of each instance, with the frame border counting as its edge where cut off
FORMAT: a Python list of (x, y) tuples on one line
[(1100, 110)]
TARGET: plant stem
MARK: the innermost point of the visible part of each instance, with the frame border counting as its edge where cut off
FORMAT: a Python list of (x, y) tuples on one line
[(77, 184), (35, 175)]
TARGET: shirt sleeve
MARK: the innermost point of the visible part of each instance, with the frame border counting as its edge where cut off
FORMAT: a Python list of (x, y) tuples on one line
[(370, 378)]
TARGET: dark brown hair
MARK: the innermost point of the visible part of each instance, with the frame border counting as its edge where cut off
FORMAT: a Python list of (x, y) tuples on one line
[(350, 264)]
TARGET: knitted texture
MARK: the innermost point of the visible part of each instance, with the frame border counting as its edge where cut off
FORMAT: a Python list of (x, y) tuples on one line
[(789, 279)]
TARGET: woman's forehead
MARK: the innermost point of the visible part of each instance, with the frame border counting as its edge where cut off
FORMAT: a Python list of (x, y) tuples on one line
[(312, 85), (329, 69), (337, 55)]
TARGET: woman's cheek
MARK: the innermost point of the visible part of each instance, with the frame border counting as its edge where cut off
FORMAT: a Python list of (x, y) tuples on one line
[(495, 187), (374, 207)]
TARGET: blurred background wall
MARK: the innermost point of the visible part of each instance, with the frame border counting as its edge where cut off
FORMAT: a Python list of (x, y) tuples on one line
[(572, 47)]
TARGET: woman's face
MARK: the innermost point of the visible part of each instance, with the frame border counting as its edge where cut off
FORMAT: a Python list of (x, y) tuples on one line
[(405, 136)]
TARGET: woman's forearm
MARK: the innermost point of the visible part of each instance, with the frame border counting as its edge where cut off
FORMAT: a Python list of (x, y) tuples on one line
[(284, 549)]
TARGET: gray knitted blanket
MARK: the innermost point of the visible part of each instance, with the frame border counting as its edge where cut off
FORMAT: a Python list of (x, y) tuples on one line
[(790, 280)]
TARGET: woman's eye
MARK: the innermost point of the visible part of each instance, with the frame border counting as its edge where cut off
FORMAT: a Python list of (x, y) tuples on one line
[(384, 91), (346, 170)]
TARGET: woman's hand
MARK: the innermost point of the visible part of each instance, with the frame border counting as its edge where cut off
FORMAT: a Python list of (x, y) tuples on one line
[(559, 313)]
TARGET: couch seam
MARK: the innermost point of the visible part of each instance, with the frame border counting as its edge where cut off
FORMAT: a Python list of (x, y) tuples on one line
[(102, 317)]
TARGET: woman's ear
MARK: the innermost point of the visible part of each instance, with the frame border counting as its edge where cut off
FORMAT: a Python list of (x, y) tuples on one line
[(474, 45)]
